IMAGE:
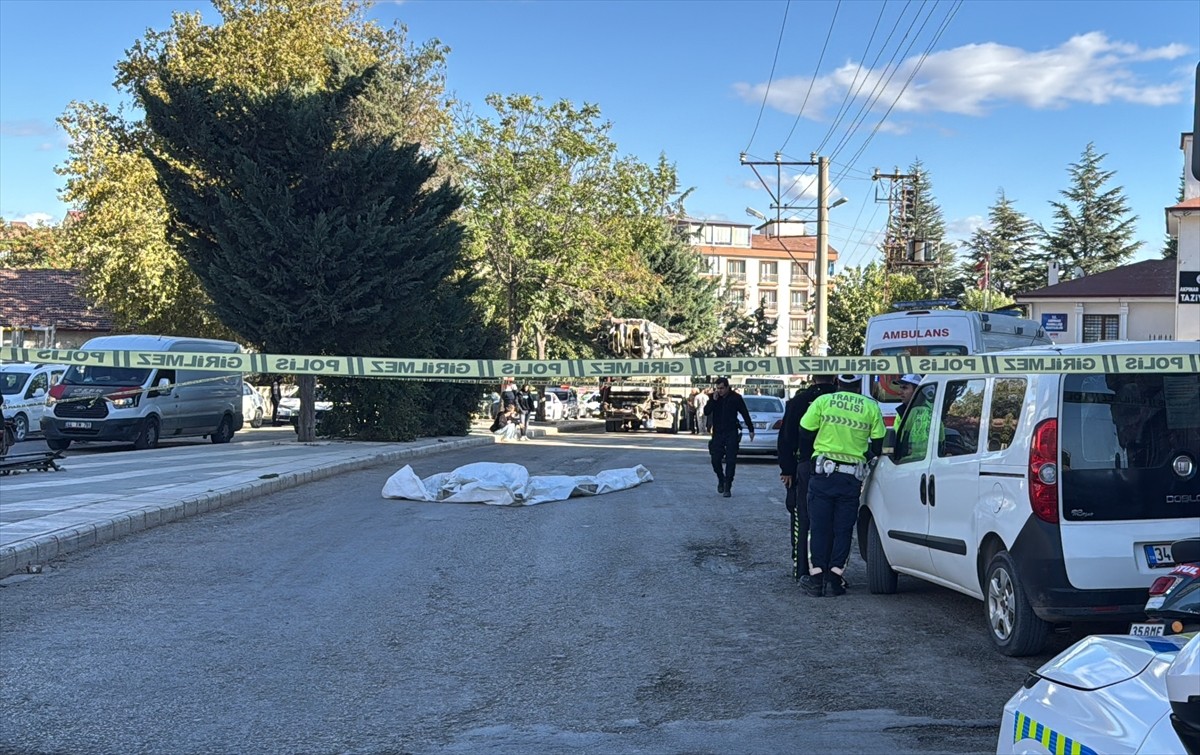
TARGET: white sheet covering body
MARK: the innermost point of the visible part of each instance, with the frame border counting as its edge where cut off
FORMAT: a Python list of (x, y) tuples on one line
[(507, 484)]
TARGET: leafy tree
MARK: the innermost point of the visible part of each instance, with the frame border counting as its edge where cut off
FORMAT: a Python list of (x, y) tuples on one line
[(1093, 229), (33, 246), (546, 217), (682, 299), (1171, 244), (742, 334), (979, 300), (1008, 244), (859, 293), (130, 267), (307, 236)]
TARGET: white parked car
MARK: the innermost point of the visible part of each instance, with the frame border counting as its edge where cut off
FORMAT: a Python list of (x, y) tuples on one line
[(767, 413), (1109, 694), (589, 405), (254, 406), (24, 387), (1052, 498)]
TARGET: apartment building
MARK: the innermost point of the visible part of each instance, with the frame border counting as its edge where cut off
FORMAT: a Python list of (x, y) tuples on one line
[(774, 264)]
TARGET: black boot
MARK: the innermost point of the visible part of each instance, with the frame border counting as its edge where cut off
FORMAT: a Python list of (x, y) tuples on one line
[(835, 584), (728, 488), (720, 484), (813, 584)]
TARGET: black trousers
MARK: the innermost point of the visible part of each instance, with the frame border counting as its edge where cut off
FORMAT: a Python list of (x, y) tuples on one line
[(797, 506), (723, 449)]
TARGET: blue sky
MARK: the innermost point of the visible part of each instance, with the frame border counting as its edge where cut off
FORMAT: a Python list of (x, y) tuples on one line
[(1008, 97)]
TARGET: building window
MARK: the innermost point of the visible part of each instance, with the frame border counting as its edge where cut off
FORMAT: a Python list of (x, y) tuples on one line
[(736, 270), (712, 265), (720, 235), (739, 296), (800, 273), (1101, 328), (770, 300), (796, 351), (768, 272), (799, 300), (741, 236), (798, 327)]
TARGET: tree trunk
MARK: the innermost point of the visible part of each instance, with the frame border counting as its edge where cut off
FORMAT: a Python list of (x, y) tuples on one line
[(306, 422)]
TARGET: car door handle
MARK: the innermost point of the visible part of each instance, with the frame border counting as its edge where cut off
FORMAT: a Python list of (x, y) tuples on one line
[(932, 492), (923, 500)]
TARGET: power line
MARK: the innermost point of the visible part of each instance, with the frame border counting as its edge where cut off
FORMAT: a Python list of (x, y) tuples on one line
[(778, 44), (813, 80), (837, 119)]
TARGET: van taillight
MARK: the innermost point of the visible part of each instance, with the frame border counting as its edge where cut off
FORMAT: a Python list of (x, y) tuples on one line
[(1043, 471)]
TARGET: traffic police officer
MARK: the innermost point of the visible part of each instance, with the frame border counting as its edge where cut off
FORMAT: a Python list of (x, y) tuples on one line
[(795, 467), (843, 427)]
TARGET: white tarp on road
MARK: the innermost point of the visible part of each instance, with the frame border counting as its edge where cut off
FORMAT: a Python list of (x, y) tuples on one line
[(507, 484)]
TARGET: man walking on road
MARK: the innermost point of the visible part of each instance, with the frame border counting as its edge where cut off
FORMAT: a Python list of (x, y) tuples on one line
[(701, 417), (722, 413), (276, 397), (795, 467), (842, 427)]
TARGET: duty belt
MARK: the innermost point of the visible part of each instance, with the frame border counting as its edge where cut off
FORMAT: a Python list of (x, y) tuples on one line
[(825, 466)]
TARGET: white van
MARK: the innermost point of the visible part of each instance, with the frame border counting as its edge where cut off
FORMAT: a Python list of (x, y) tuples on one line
[(940, 332), (23, 387), (145, 404), (1052, 498)]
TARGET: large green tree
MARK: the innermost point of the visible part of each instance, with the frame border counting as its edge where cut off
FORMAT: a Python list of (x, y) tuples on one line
[(741, 333), (923, 220), (547, 217), (39, 245), (130, 267), (1093, 229), (308, 236), (859, 293), (1009, 247)]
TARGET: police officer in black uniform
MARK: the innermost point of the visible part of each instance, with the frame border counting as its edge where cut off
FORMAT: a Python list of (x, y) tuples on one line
[(795, 467)]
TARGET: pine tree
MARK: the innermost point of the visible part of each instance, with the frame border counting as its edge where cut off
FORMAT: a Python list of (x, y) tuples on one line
[(1093, 229), (927, 223), (1009, 244), (1171, 245), (308, 237)]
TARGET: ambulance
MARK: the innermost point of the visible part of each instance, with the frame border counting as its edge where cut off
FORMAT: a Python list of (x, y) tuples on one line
[(940, 332)]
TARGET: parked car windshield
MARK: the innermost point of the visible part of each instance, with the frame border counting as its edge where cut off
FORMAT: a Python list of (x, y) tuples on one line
[(764, 404), (94, 375), (12, 382)]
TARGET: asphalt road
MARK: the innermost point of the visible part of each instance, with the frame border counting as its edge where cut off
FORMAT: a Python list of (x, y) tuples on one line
[(325, 619)]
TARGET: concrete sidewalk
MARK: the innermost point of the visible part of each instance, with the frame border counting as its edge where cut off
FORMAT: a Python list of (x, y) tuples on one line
[(100, 497)]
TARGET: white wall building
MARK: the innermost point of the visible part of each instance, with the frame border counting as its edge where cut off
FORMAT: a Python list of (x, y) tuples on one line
[(777, 267), (1183, 222)]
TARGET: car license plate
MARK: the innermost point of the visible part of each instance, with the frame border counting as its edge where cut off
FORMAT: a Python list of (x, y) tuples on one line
[(78, 425), (1147, 630), (1158, 555), (760, 425)]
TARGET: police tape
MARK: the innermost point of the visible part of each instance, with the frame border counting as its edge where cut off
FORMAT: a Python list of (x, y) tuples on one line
[(598, 369)]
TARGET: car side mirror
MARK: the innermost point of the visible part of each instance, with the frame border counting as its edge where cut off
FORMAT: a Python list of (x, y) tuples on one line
[(39, 392), (163, 382), (889, 440)]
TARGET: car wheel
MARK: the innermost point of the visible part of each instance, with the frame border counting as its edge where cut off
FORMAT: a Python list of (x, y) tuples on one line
[(148, 437), (1013, 626), (20, 427), (881, 578), (58, 445), (258, 418), (224, 431)]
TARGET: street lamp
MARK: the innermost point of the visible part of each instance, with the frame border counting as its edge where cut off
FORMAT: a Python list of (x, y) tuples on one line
[(755, 213)]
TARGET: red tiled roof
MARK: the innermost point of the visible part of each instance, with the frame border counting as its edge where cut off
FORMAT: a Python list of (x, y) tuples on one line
[(47, 297), (770, 247), (1187, 204), (1148, 278)]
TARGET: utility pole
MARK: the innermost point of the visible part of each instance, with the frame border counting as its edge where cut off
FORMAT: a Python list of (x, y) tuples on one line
[(822, 255), (822, 280)]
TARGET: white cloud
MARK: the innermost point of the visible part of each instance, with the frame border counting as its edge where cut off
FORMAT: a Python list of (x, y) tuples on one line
[(964, 227), (33, 219), (971, 79), (797, 186), (27, 128)]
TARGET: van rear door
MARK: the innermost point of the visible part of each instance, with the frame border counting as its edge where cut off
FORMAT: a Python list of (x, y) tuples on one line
[(1129, 449)]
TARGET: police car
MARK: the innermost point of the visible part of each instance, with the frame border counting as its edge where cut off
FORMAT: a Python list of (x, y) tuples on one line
[(1109, 694)]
